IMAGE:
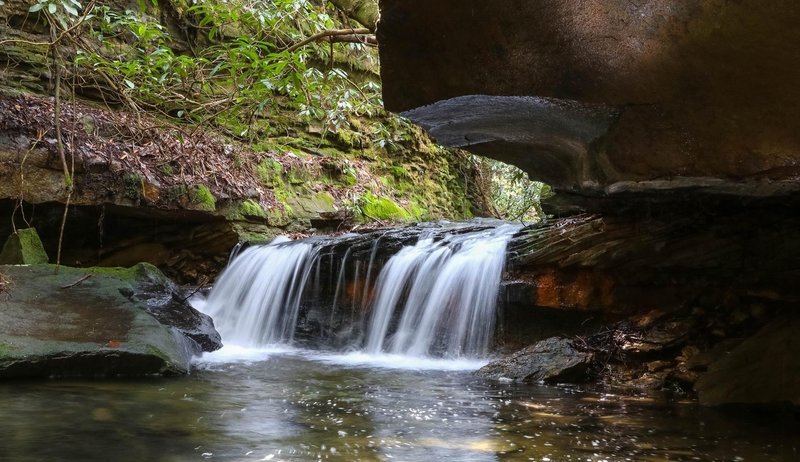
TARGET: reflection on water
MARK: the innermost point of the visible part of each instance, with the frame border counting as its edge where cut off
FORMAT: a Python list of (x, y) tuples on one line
[(294, 406)]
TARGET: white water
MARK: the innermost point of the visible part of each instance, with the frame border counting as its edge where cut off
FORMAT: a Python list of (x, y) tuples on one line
[(256, 299), (434, 301), (444, 293)]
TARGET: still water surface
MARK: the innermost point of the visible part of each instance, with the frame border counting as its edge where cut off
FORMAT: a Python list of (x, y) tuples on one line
[(306, 406)]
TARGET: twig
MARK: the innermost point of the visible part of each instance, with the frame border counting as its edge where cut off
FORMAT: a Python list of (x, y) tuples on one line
[(203, 281), (83, 278)]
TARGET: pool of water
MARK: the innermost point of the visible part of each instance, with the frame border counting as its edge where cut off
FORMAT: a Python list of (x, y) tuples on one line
[(289, 405)]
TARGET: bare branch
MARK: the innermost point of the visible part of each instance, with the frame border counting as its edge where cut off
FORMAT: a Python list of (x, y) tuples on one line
[(330, 35)]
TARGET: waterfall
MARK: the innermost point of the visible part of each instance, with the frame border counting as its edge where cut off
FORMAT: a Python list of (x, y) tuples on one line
[(433, 297), (256, 299), (450, 291)]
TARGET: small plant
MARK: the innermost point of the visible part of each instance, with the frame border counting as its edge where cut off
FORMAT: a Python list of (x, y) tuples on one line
[(133, 186)]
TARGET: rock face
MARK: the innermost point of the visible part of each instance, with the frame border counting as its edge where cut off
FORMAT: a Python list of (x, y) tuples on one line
[(606, 97), (764, 369), (95, 323), (552, 360)]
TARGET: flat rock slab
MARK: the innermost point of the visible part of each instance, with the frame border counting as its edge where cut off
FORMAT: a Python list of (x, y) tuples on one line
[(84, 323), (554, 360)]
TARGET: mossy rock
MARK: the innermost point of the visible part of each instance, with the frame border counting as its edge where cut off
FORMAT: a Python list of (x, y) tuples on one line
[(255, 233), (248, 209), (203, 198), (382, 208), (312, 206), (298, 175), (270, 172), (23, 248)]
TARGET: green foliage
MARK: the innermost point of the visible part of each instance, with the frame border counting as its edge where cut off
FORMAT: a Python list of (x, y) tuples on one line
[(513, 195), (60, 10), (243, 65)]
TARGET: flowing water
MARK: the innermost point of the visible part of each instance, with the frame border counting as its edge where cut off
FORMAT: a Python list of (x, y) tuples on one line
[(392, 382), (435, 297), (249, 405)]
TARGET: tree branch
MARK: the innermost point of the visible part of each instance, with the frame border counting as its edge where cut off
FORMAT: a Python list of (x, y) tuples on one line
[(332, 35)]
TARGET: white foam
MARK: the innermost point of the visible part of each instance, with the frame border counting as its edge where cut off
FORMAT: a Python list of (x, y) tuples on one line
[(240, 354), (394, 361)]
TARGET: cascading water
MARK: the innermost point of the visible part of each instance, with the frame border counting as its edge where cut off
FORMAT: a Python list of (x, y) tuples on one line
[(434, 298), (256, 299), (444, 293)]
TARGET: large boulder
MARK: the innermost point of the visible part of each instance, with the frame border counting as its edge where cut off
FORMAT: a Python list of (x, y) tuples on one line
[(554, 360), (764, 369), (96, 322), (606, 97)]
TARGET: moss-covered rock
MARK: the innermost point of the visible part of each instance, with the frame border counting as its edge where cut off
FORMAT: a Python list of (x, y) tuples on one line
[(97, 322), (23, 248), (270, 172), (312, 205), (248, 209), (203, 198), (381, 208)]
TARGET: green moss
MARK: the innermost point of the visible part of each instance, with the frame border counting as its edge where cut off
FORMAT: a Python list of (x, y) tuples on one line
[(132, 274), (6, 349), (134, 185), (251, 208), (298, 175), (398, 172), (419, 212), (381, 208), (348, 138), (167, 169), (280, 217), (177, 192), (270, 172), (202, 196), (31, 246), (349, 177), (23, 248)]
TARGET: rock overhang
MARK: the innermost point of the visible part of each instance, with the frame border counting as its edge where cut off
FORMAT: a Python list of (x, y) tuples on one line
[(606, 98)]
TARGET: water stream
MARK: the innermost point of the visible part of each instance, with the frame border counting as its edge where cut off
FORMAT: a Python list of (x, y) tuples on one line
[(392, 383), (305, 406)]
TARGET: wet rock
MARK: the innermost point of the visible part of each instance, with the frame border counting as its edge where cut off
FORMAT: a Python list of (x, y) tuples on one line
[(552, 360), (662, 337), (763, 369), (168, 304), (95, 322)]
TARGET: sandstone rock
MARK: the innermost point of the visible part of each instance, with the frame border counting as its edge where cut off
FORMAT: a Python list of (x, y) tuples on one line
[(95, 322), (764, 369), (552, 360), (606, 97)]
